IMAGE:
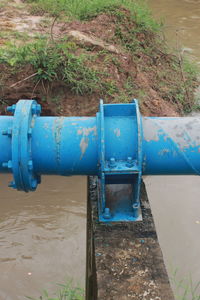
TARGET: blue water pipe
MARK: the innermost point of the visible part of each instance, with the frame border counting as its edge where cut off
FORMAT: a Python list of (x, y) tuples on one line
[(118, 146)]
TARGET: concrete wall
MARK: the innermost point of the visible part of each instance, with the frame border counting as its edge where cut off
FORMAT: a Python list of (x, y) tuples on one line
[(124, 260)]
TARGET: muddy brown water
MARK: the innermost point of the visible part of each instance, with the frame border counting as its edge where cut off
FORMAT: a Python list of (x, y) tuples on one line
[(42, 234), (175, 201), (181, 24)]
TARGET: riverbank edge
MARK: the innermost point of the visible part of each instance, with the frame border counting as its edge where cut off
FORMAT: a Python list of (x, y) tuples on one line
[(69, 60)]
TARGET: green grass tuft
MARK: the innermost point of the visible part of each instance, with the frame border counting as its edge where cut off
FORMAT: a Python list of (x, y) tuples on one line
[(55, 62), (85, 9), (185, 289), (66, 292), (3, 3)]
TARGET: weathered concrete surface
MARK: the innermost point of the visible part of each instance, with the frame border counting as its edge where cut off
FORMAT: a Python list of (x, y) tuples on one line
[(124, 260)]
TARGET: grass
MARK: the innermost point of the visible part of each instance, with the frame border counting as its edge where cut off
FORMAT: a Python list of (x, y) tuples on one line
[(3, 3), (82, 69), (189, 72), (86, 9), (185, 289), (182, 92), (66, 292), (55, 62)]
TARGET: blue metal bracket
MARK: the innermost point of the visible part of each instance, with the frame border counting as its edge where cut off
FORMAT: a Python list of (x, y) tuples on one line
[(119, 167)]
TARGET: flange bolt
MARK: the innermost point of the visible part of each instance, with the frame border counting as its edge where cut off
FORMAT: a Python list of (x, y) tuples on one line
[(107, 214), (12, 185), (7, 132), (129, 162), (136, 209), (34, 184), (11, 108), (7, 164), (112, 163), (29, 132), (36, 109), (30, 165)]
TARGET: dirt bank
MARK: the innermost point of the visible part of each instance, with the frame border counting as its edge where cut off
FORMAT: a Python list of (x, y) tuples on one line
[(107, 56)]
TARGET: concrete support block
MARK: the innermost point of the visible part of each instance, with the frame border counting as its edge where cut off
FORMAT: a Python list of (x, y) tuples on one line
[(124, 260)]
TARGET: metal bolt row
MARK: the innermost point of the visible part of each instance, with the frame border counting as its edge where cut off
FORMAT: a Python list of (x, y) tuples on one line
[(9, 132), (8, 165), (30, 168), (36, 109), (107, 213), (129, 162), (11, 108), (33, 184)]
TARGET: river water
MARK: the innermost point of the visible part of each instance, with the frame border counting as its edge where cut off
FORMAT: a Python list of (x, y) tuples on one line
[(42, 234), (181, 23), (175, 201)]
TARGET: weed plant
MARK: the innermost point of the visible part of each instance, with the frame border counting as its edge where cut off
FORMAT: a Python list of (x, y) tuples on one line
[(56, 62), (185, 289), (66, 292)]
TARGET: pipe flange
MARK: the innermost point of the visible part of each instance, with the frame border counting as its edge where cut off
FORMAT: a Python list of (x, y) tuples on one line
[(25, 113)]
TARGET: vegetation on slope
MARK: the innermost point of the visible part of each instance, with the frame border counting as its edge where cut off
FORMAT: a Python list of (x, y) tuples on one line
[(70, 74), (87, 9)]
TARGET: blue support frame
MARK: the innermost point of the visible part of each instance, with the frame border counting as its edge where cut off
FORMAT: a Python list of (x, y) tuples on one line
[(120, 169)]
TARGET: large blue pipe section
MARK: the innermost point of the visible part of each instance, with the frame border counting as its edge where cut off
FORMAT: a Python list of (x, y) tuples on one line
[(118, 145), (171, 146)]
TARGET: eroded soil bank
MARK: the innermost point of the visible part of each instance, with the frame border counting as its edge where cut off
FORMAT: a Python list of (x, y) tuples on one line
[(68, 65)]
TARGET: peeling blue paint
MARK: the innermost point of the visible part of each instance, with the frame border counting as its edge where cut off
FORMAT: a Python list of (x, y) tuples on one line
[(118, 145)]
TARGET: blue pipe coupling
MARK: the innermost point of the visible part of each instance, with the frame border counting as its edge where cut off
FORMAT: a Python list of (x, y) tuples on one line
[(118, 145)]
